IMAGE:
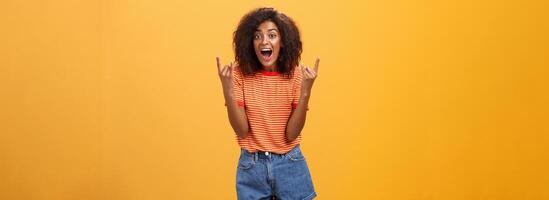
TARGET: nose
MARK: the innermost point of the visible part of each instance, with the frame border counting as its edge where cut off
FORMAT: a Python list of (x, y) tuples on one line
[(264, 40)]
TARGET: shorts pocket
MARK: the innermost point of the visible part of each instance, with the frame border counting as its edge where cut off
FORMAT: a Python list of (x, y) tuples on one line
[(245, 161), (296, 156)]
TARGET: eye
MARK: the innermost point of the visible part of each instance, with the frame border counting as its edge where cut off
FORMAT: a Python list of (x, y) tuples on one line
[(272, 35), (257, 37)]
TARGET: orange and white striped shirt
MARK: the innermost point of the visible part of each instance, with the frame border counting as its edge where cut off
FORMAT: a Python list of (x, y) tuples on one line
[(268, 99)]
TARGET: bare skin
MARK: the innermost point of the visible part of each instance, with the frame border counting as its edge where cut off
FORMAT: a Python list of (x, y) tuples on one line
[(267, 38), (237, 114), (298, 116)]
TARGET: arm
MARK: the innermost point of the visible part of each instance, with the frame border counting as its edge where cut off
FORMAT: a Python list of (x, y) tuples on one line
[(299, 114), (237, 116), (236, 113), (297, 119)]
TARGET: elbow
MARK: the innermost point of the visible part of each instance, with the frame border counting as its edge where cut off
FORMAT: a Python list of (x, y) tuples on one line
[(243, 133), (290, 137)]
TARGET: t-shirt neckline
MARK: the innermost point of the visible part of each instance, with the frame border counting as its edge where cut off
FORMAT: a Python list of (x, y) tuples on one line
[(264, 71), (269, 73)]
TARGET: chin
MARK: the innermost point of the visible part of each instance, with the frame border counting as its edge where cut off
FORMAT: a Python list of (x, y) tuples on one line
[(266, 64)]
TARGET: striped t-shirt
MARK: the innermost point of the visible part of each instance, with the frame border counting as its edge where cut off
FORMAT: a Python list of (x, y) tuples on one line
[(268, 99)]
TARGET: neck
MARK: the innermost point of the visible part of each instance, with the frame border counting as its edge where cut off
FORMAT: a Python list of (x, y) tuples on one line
[(269, 68)]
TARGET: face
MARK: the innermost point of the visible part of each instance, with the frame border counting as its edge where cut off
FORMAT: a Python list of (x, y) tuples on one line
[(267, 43)]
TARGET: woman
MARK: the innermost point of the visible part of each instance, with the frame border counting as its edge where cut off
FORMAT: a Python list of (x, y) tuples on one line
[(267, 103)]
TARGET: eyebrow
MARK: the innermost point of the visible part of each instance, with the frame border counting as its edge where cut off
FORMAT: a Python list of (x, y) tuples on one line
[(272, 29)]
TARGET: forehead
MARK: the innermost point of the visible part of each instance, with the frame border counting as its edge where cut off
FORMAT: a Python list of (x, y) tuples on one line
[(267, 26)]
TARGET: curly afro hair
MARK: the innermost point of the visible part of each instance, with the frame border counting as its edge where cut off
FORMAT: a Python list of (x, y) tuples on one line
[(291, 46)]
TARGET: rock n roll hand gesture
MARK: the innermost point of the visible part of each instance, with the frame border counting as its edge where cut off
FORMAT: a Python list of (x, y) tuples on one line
[(308, 75), (237, 115), (226, 76)]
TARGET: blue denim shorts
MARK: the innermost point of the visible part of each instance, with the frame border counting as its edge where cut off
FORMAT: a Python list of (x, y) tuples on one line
[(282, 176)]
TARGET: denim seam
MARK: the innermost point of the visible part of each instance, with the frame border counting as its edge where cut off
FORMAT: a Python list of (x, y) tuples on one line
[(311, 196)]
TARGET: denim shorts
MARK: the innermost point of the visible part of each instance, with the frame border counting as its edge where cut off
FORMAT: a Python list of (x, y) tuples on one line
[(283, 176)]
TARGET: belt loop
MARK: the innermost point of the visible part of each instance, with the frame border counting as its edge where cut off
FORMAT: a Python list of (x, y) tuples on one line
[(255, 156)]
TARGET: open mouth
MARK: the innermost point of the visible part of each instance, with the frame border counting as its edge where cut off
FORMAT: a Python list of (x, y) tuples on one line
[(266, 54)]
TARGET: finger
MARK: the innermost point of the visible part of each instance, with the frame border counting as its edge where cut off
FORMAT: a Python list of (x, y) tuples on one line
[(307, 72), (218, 64), (308, 69), (225, 69), (312, 73), (316, 64), (230, 69)]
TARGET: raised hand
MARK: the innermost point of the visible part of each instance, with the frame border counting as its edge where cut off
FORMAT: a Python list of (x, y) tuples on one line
[(237, 114), (309, 76), (225, 75)]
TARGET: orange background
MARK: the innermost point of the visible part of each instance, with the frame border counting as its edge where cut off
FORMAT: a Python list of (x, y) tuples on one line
[(414, 99)]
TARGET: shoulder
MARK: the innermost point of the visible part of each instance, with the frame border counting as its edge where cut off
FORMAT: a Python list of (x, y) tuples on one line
[(297, 74), (236, 70)]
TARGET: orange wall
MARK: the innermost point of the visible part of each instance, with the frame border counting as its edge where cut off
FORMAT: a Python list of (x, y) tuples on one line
[(415, 100)]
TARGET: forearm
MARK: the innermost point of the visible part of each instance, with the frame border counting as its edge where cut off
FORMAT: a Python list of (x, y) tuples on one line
[(237, 116), (298, 117)]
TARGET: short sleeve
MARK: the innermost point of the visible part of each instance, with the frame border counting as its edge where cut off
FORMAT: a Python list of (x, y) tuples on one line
[(296, 82), (238, 82)]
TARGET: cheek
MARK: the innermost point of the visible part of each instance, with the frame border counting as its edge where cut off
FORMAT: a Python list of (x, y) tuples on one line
[(276, 45), (256, 46)]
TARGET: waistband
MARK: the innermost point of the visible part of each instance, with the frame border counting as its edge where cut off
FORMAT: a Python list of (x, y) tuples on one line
[(268, 154)]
